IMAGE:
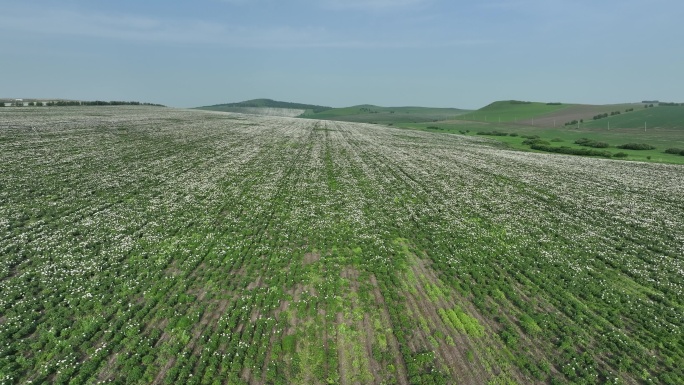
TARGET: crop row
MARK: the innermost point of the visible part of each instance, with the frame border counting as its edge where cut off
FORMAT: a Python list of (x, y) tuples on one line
[(148, 245)]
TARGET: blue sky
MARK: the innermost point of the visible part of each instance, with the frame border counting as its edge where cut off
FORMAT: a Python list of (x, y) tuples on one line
[(340, 53)]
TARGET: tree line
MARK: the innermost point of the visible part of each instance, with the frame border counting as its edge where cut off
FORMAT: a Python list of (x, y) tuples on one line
[(63, 103)]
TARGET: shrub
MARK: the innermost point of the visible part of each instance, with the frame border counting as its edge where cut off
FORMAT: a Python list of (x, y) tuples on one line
[(557, 140), (636, 146), (591, 143), (670, 104), (493, 133), (675, 151), (571, 151), (620, 155), (531, 142)]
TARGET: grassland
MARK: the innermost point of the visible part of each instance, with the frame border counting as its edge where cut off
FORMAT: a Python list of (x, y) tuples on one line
[(512, 111), (548, 123), (159, 246), (662, 139), (659, 118), (386, 115)]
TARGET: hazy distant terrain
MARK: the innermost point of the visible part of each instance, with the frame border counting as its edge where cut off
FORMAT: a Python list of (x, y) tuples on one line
[(362, 114), (266, 107)]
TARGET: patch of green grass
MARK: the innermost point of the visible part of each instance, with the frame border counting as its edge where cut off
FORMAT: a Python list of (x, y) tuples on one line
[(614, 139), (662, 139)]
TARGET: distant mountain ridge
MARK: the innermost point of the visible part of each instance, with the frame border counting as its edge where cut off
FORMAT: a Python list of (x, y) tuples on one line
[(363, 113), (265, 103), (516, 112)]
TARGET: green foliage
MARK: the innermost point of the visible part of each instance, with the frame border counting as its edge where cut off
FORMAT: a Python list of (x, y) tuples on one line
[(67, 103), (529, 325), (173, 246), (571, 151), (493, 133), (669, 104), (289, 344), (591, 143), (536, 141), (461, 321), (636, 146)]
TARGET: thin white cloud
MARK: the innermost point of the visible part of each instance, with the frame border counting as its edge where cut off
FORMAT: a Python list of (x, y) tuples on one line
[(367, 5), (56, 24), (373, 5)]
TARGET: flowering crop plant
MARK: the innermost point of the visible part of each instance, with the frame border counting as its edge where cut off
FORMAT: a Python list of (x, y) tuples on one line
[(148, 245)]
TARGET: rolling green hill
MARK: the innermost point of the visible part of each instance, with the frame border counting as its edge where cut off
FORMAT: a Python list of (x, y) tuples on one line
[(664, 117), (387, 115), (513, 111), (362, 113), (631, 115), (624, 115)]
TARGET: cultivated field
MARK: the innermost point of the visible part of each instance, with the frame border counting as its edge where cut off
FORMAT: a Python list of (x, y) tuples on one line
[(153, 245), (265, 111)]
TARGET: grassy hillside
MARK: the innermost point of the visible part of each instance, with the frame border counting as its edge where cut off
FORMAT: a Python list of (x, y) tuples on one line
[(513, 111), (558, 115), (516, 135), (665, 117), (387, 115)]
